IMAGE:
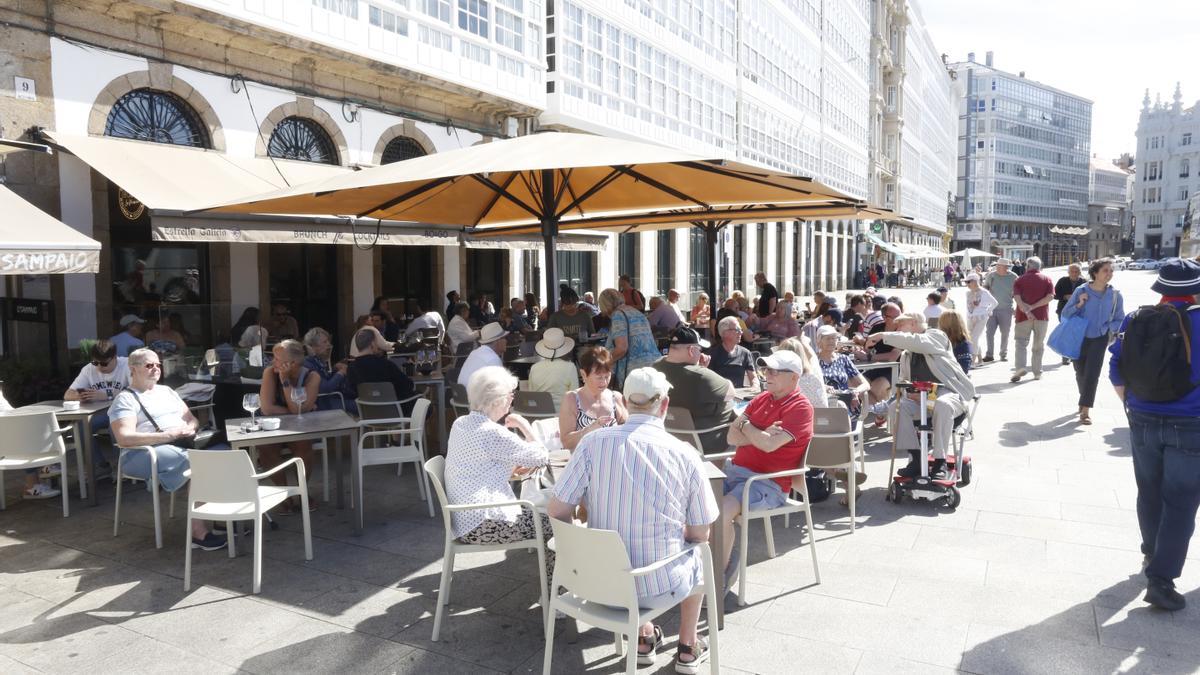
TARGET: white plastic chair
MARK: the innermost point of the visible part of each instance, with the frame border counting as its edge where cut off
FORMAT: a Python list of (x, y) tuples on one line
[(224, 487), (833, 447), (791, 506), (594, 569), (436, 468), (33, 440), (151, 485), (458, 400), (381, 447), (680, 424)]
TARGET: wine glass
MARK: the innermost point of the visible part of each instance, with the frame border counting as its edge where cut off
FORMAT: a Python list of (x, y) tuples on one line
[(299, 395), (250, 404)]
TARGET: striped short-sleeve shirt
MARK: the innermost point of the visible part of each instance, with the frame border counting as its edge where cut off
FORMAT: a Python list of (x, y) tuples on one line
[(647, 486)]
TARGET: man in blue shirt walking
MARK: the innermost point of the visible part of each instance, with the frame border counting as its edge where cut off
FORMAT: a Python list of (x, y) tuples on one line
[(1166, 450)]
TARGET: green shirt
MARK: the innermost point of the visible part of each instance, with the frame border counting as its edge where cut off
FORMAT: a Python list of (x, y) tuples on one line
[(701, 392), (1001, 287)]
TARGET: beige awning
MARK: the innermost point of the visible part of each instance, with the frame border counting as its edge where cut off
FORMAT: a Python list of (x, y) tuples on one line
[(32, 242), (268, 229), (177, 178)]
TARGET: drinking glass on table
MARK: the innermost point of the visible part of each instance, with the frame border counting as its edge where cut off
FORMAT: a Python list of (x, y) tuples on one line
[(299, 395), (250, 403)]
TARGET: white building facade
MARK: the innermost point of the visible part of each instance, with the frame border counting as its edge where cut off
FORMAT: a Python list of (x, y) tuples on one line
[(1109, 187), (352, 83), (1168, 154), (912, 136)]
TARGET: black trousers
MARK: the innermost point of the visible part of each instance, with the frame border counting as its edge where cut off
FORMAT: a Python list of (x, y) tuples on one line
[(1088, 367)]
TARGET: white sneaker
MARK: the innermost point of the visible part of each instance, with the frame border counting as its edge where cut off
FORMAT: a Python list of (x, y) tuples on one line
[(1018, 375), (40, 491), (1037, 376)]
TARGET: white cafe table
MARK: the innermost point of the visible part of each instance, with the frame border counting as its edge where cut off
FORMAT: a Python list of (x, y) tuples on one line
[(318, 424), (81, 419)]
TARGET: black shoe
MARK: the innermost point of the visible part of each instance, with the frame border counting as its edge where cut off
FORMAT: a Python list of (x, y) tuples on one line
[(1004, 357), (938, 471), (988, 359), (1162, 594), (913, 469), (210, 542)]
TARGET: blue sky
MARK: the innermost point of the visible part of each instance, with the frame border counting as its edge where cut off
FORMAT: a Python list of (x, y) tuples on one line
[(1109, 51)]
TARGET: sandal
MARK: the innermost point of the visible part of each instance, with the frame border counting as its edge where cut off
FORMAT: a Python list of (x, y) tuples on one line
[(699, 654), (845, 500), (1084, 419), (652, 643)]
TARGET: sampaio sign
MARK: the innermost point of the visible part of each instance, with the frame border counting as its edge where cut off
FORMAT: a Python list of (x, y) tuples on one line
[(48, 262)]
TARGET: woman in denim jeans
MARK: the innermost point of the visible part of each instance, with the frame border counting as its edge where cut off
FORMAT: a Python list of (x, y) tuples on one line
[(1104, 309)]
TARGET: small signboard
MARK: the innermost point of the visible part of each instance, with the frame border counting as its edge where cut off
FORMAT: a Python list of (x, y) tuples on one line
[(25, 88)]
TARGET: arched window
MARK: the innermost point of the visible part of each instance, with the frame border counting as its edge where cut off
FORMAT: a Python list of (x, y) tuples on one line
[(401, 148), (158, 117), (302, 139)]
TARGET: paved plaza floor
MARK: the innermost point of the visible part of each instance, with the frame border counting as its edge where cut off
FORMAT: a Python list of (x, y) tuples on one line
[(1036, 572)]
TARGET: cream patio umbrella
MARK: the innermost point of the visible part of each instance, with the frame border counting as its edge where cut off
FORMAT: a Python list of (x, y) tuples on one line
[(546, 181)]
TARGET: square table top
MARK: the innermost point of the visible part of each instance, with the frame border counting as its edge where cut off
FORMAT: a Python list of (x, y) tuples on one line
[(290, 426), (86, 409), (712, 471)]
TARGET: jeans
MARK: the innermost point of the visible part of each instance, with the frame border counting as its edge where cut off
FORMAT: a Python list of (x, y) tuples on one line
[(1036, 327), (1001, 318), (1166, 465), (1088, 367), (976, 324)]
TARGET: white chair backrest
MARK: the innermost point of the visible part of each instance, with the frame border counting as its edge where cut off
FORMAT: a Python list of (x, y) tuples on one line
[(436, 468), (593, 564), (377, 400), (534, 403), (221, 476), (30, 435), (827, 452), (420, 412)]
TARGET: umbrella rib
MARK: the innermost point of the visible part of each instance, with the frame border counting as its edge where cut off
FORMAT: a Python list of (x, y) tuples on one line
[(421, 189), (490, 184), (600, 185), (751, 179), (661, 186), (495, 198)]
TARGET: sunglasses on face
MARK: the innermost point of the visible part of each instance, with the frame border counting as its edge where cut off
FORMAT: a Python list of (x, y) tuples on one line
[(152, 366), (101, 364)]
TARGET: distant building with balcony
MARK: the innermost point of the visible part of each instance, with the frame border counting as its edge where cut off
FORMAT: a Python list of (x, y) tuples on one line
[(1168, 156), (1109, 187), (913, 129), (1023, 158)]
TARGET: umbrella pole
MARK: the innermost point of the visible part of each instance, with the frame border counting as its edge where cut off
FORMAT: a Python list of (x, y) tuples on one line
[(711, 230), (549, 233)]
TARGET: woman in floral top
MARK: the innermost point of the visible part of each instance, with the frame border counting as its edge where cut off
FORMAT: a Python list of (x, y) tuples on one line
[(839, 371), (629, 337)]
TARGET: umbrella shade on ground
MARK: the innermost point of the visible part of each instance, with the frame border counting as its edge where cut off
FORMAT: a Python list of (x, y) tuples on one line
[(545, 180)]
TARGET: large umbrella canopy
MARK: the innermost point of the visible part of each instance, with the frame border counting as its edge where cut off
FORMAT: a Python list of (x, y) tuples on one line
[(543, 181), (973, 253)]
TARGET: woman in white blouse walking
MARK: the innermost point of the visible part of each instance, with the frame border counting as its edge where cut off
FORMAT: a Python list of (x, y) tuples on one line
[(980, 304), (484, 456)]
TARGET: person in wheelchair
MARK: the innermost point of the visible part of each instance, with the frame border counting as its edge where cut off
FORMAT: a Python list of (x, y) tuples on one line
[(928, 357)]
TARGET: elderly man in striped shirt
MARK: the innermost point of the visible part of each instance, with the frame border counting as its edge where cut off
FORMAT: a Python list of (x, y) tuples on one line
[(650, 488)]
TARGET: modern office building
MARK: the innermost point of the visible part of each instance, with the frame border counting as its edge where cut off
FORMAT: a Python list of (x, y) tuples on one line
[(1168, 154), (1023, 157), (286, 91), (1109, 187), (912, 135)]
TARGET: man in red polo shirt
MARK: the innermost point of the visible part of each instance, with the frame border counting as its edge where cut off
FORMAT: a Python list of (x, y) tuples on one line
[(1033, 292), (771, 435)]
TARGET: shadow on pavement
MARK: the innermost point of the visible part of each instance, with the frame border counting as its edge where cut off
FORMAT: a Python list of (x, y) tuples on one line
[(1019, 434)]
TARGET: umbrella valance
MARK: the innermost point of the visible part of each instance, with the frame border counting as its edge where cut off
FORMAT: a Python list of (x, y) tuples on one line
[(33, 242)]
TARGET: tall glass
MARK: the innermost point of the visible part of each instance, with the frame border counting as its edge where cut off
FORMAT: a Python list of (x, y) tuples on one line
[(250, 403), (299, 395)]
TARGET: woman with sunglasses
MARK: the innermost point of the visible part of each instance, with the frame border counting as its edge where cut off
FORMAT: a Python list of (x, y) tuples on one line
[(277, 395)]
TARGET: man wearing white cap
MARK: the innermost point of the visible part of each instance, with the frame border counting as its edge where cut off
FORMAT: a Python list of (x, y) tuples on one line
[(980, 303), (638, 468), (771, 435), (490, 351), (1000, 282), (130, 337)]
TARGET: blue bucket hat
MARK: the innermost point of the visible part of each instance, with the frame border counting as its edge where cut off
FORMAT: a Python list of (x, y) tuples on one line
[(1178, 276)]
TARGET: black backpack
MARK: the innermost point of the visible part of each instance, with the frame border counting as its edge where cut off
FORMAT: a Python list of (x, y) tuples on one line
[(1156, 353)]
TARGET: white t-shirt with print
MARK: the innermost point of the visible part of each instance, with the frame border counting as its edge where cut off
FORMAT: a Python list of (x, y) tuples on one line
[(92, 379), (161, 402)]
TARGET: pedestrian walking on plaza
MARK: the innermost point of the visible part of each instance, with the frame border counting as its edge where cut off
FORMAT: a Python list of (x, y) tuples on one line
[(1064, 287), (980, 304), (1163, 405), (1033, 292), (1104, 309), (1000, 283)]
